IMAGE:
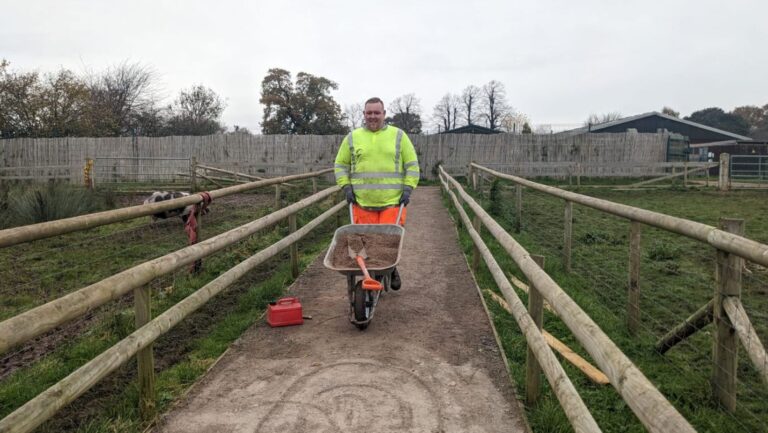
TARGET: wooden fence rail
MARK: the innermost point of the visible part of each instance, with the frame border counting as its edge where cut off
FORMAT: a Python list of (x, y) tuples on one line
[(32, 232), (649, 405), (34, 322), (731, 249), (33, 413), (573, 405), (720, 239)]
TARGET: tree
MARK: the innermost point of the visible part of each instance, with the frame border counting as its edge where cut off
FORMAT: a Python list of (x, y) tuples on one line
[(405, 113), (494, 104), (717, 118), (757, 118), (670, 112), (118, 97), (527, 128), (594, 119), (304, 108), (53, 106), (353, 114), (513, 122), (196, 111), (446, 113), (470, 100)]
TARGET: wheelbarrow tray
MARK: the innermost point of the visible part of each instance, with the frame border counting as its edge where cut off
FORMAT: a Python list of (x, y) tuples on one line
[(386, 229)]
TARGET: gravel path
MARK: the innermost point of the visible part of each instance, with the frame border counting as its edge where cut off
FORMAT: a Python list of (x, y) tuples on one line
[(427, 363)]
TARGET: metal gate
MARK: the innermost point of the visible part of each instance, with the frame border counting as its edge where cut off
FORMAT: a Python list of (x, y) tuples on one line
[(749, 168)]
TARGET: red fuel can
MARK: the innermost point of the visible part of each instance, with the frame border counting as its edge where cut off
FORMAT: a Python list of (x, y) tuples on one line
[(285, 312)]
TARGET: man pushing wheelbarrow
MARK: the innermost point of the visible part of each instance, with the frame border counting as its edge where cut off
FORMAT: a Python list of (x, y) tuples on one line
[(377, 167)]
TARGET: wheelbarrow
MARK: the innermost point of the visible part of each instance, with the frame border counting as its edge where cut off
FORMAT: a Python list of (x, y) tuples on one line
[(362, 300)]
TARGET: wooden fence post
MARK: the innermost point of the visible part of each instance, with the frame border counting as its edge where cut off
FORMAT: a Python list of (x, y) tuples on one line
[(314, 185), (532, 367), (633, 289), (685, 173), (193, 174), (477, 224), (567, 235), (144, 358), (578, 174), (278, 200), (339, 197), (518, 208), (294, 247), (724, 179), (726, 342)]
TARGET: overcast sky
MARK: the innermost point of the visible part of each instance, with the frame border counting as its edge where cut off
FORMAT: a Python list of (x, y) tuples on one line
[(559, 60)]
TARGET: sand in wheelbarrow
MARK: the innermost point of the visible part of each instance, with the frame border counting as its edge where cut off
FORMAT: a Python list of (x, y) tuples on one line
[(381, 250)]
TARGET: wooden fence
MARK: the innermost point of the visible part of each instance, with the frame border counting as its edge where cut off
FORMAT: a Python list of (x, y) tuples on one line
[(724, 309), (276, 155), (648, 404), (27, 325)]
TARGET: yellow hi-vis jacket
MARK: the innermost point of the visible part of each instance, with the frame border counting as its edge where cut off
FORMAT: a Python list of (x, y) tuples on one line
[(378, 165)]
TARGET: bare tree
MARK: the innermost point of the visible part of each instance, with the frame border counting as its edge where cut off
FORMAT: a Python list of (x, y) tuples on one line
[(494, 104), (353, 115), (118, 95), (446, 112), (405, 113), (196, 112), (513, 122), (595, 119), (470, 101)]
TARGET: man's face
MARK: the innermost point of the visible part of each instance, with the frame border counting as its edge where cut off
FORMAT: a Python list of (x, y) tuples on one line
[(374, 116)]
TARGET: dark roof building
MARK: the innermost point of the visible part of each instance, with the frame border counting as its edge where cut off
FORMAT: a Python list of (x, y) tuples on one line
[(471, 129), (655, 121)]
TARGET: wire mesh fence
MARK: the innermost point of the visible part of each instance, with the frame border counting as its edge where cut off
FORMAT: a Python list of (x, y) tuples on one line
[(677, 277)]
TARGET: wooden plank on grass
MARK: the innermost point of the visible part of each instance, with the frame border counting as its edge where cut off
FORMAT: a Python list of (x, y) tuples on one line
[(593, 373)]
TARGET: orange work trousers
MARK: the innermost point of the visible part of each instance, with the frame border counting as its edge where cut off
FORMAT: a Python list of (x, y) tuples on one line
[(386, 216)]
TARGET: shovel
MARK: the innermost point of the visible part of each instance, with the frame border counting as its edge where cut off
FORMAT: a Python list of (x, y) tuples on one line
[(356, 249)]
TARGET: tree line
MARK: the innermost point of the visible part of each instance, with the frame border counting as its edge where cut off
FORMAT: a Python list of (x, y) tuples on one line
[(121, 101)]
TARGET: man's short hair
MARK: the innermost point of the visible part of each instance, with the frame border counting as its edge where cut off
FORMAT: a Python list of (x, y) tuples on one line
[(374, 100)]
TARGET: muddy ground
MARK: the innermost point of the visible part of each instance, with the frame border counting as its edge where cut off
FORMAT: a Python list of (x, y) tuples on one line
[(427, 363)]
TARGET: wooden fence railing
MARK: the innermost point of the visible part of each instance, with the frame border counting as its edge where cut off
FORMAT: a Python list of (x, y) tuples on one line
[(725, 309), (27, 325), (649, 405), (32, 232)]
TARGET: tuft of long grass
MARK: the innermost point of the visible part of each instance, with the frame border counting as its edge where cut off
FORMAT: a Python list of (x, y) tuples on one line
[(41, 203)]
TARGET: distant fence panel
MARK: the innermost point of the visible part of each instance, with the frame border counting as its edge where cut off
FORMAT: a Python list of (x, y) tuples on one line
[(278, 155)]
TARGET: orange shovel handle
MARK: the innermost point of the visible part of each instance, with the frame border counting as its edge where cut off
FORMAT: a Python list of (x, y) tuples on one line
[(368, 282)]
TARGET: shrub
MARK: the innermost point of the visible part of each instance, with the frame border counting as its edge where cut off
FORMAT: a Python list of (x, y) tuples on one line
[(40, 203)]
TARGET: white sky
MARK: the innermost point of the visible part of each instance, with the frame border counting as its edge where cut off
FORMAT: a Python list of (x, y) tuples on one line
[(559, 60)]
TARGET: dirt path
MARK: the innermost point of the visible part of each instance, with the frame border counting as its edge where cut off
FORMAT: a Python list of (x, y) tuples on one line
[(427, 363)]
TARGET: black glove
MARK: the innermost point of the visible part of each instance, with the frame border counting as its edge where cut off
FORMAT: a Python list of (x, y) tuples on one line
[(405, 198), (349, 194)]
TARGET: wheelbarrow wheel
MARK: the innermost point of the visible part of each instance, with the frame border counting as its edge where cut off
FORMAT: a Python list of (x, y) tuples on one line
[(361, 315)]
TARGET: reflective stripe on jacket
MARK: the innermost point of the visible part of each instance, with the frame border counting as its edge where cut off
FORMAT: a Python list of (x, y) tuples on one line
[(377, 165)]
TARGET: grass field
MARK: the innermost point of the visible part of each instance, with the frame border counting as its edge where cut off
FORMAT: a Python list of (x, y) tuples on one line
[(44, 270), (677, 277)]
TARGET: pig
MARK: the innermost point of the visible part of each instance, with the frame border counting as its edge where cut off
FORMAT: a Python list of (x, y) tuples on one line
[(182, 212)]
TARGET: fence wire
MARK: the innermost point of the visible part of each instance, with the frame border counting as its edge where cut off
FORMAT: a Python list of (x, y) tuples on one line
[(677, 277)]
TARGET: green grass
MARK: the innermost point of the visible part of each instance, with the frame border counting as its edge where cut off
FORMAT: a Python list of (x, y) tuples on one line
[(112, 405), (676, 278)]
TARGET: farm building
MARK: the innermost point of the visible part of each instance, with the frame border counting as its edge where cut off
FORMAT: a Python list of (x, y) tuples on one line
[(688, 138), (471, 129)]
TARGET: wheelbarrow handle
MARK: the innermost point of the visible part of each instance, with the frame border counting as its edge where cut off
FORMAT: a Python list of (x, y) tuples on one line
[(399, 214)]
